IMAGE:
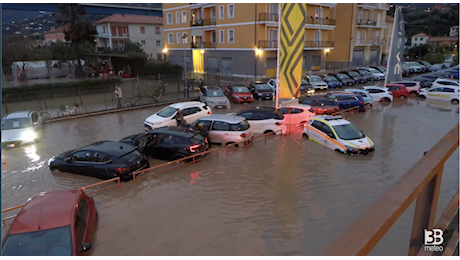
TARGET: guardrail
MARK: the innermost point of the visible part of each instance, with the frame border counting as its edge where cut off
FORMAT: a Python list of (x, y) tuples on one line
[(254, 140), (349, 110), (423, 183)]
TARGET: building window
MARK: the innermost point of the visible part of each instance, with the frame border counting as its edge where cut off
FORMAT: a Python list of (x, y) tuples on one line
[(415, 39), (184, 38), (170, 38), (103, 29), (169, 18), (177, 18), (124, 29), (158, 43), (157, 30), (221, 36), (221, 12), (178, 38), (142, 30), (230, 36), (184, 17), (231, 13), (143, 43), (213, 37)]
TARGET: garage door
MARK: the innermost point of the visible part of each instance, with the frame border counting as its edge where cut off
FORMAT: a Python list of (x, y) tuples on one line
[(212, 67), (374, 57), (189, 63), (271, 63), (358, 58), (173, 59), (227, 66)]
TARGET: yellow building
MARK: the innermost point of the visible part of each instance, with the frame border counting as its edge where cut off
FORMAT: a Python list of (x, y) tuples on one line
[(240, 39), (387, 38), (359, 34)]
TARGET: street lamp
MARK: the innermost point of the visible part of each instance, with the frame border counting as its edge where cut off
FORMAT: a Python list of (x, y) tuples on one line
[(184, 41), (257, 52)]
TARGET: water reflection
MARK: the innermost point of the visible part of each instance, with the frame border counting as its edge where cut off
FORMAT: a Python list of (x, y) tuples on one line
[(31, 153)]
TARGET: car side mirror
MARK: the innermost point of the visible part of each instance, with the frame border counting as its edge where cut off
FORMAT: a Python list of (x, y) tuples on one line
[(85, 247), (331, 135), (68, 160)]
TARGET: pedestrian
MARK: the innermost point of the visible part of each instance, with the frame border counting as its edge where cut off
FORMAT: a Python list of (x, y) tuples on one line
[(118, 92), (204, 130), (180, 118), (186, 89)]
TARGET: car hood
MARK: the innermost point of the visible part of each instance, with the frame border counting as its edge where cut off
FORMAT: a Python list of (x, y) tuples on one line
[(157, 119), (217, 99), (12, 135), (264, 91), (243, 94), (318, 83), (361, 143), (378, 74)]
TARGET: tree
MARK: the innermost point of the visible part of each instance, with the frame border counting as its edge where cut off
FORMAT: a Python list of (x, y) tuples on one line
[(45, 55), (15, 48), (434, 57), (417, 52), (78, 32)]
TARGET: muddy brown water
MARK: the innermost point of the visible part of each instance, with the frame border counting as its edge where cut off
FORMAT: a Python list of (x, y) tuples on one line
[(288, 196)]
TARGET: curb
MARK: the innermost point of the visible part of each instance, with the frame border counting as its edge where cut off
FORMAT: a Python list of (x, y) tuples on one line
[(103, 112)]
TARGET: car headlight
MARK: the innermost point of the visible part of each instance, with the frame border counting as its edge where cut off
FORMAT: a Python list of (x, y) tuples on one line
[(235, 96), (260, 94), (50, 161), (28, 136), (352, 149)]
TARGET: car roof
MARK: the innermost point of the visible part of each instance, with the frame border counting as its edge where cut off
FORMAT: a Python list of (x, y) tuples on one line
[(109, 148), (298, 106), (355, 89), (19, 114), (213, 88), (376, 87), (395, 85), (45, 211), (343, 93), (266, 109), (181, 105), (333, 122), (179, 131), (225, 118)]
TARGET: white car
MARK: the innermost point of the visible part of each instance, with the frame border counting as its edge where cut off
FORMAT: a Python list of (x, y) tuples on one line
[(297, 114), (264, 120), (167, 116), (441, 82), (445, 93), (338, 134), (379, 93), (375, 73), (363, 93), (214, 98), (22, 127)]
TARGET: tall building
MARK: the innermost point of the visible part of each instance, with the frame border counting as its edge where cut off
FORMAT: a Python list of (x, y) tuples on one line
[(387, 38), (359, 34), (241, 39)]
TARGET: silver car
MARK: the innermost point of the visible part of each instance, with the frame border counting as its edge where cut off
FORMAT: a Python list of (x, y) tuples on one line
[(214, 98), (225, 129), (20, 128), (316, 81)]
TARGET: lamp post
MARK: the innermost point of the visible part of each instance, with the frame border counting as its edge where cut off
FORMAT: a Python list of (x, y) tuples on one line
[(184, 41)]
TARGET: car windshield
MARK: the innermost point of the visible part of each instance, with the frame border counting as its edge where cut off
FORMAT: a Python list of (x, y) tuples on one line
[(303, 82), (348, 132), (16, 123), (167, 112), (214, 93), (323, 103), (374, 71), (330, 78), (352, 73), (437, 66), (364, 72), (47, 242), (132, 156), (241, 126), (315, 79), (262, 87), (238, 89), (342, 76)]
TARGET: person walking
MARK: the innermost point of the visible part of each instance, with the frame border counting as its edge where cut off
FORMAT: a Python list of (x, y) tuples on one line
[(180, 118), (118, 92)]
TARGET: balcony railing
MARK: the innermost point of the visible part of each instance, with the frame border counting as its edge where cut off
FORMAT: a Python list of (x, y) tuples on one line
[(372, 42), (269, 17), (268, 44), (318, 44), (197, 44), (366, 22), (209, 45), (319, 20), (203, 22)]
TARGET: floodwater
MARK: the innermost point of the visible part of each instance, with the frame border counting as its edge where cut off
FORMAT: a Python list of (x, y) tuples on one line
[(288, 196)]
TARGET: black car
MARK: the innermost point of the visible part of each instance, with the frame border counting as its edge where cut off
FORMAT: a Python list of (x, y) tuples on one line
[(424, 82), (366, 74), (344, 78), (103, 160), (382, 69), (262, 91), (355, 76), (306, 88), (169, 142)]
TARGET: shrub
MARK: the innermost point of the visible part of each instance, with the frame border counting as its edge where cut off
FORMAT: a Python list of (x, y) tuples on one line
[(162, 67)]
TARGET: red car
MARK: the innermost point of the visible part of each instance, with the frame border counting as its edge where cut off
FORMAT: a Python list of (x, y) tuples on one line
[(398, 90), (321, 105), (239, 94), (56, 223)]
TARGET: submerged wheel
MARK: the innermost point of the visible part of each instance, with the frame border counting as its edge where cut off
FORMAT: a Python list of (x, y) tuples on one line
[(455, 101), (402, 97), (269, 131), (305, 135), (45, 115)]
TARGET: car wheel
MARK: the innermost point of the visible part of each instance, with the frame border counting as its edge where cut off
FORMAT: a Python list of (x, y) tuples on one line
[(402, 97), (413, 94), (385, 99), (269, 131), (305, 135), (231, 143), (454, 101), (422, 97)]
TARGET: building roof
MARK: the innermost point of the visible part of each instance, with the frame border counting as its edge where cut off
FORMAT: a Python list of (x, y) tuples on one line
[(443, 39), (389, 19), (420, 35), (130, 19)]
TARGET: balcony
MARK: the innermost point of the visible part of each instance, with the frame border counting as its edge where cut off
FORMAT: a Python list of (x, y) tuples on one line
[(370, 23), (197, 45), (319, 21), (368, 42), (103, 35), (318, 44), (368, 5), (268, 44), (209, 45), (269, 17), (203, 22)]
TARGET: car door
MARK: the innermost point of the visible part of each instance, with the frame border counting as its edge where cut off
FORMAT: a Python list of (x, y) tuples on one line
[(36, 124), (317, 132), (433, 94), (298, 115), (188, 114), (164, 149), (286, 111), (345, 103), (446, 94), (98, 163), (150, 142), (219, 132), (196, 115), (395, 90), (80, 163), (80, 226), (326, 129)]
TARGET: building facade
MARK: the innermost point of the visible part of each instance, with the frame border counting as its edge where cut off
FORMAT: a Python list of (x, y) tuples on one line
[(453, 31), (241, 39), (115, 30), (55, 35), (360, 33), (387, 38), (419, 39)]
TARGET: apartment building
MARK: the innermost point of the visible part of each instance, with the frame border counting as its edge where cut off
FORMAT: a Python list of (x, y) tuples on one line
[(419, 39), (240, 39), (115, 30), (55, 35), (360, 33)]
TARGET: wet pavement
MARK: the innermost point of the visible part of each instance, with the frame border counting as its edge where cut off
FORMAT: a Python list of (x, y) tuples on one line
[(288, 196)]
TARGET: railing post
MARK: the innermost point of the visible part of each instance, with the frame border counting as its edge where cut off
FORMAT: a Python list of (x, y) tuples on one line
[(425, 212), (193, 160)]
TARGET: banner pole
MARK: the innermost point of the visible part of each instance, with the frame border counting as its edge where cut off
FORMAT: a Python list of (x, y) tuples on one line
[(391, 47), (278, 58)]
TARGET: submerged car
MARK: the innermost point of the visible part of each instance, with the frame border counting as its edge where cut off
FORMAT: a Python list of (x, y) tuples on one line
[(306, 88), (338, 134), (445, 93), (364, 94), (214, 98), (332, 81), (262, 91), (239, 94), (22, 127), (264, 120), (191, 111), (297, 114), (320, 105), (344, 79)]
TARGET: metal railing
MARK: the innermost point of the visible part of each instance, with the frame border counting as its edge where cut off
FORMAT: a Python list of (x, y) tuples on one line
[(268, 44), (209, 45), (367, 22), (422, 183), (318, 44), (373, 42), (319, 20), (203, 22), (269, 17), (197, 44)]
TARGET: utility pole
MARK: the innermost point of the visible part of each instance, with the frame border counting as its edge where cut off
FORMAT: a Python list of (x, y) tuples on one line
[(184, 41)]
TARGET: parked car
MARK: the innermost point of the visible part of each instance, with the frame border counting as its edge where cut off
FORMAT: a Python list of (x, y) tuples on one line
[(426, 63), (316, 81), (103, 160), (338, 134), (169, 143), (377, 75), (366, 74), (262, 91), (320, 105), (414, 66), (424, 82), (409, 68), (358, 78), (56, 223), (213, 97), (438, 67), (264, 119), (445, 93), (440, 74), (297, 114), (191, 111), (364, 94), (226, 129), (21, 127), (332, 82), (398, 90), (344, 79), (413, 87), (379, 93), (348, 100), (381, 69), (440, 82), (306, 88), (239, 94), (424, 67), (405, 71), (452, 73), (272, 84), (448, 64)]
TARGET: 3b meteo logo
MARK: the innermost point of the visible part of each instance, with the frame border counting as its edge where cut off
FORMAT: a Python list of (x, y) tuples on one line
[(434, 240)]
